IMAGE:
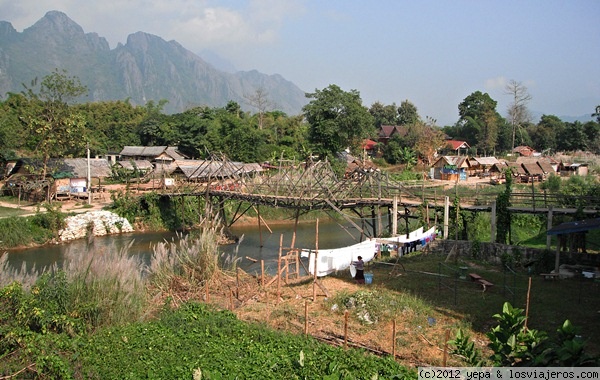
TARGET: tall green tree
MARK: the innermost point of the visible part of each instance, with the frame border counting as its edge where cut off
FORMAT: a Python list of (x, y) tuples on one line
[(407, 113), (384, 114), (56, 129), (13, 136), (111, 125), (337, 120), (573, 137), (592, 131), (544, 135), (479, 120)]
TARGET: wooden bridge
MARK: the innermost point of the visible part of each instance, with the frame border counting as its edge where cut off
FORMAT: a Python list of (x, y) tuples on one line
[(361, 196), (303, 187)]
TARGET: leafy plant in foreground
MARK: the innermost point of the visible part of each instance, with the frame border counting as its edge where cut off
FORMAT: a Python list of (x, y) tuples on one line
[(515, 345)]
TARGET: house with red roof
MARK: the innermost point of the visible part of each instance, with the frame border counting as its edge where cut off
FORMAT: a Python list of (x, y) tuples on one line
[(523, 150), (368, 146), (456, 145)]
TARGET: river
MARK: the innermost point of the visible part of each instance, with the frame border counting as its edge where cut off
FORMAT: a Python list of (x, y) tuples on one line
[(331, 235)]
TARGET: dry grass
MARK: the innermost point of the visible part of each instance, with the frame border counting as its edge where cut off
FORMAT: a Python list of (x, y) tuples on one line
[(424, 313)]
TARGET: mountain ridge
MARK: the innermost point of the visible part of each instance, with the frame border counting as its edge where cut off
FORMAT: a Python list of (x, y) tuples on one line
[(145, 68)]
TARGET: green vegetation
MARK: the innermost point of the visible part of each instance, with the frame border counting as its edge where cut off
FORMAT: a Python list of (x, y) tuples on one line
[(105, 315), (195, 339), (22, 231), (94, 319), (41, 121), (513, 344), (6, 212)]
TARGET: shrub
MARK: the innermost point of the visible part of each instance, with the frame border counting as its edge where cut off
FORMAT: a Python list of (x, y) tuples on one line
[(514, 344), (190, 261), (106, 285)]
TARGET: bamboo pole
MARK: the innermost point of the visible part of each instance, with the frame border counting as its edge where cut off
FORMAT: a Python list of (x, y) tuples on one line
[(315, 267), (345, 329), (305, 317), (262, 273), (267, 305), (262, 220), (279, 270), (259, 229), (444, 361), (527, 304), (394, 339), (237, 282)]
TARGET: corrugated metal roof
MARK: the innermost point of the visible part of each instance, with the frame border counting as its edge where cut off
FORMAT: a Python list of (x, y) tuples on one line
[(459, 161), (198, 169), (152, 152), (576, 226), (252, 168), (486, 161)]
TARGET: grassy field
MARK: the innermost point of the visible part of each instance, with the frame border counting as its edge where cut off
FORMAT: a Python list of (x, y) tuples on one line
[(6, 212), (551, 302), (427, 299)]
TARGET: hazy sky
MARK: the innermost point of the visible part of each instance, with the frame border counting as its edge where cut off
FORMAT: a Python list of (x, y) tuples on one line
[(432, 52)]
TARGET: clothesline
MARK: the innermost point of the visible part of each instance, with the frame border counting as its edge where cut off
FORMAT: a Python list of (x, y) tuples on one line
[(337, 259)]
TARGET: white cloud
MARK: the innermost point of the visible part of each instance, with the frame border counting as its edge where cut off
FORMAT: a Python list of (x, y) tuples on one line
[(497, 83), (196, 24)]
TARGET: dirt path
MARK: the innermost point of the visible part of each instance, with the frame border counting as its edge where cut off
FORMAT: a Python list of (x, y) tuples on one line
[(71, 206)]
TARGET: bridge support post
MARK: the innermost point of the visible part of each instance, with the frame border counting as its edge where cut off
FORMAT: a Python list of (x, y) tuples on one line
[(394, 231), (374, 221), (493, 220), (446, 216), (549, 227)]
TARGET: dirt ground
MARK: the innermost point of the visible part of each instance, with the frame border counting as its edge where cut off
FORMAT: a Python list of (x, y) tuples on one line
[(74, 205), (296, 311)]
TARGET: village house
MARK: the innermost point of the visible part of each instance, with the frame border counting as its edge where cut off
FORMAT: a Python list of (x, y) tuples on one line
[(154, 154), (65, 177), (386, 132), (524, 151), (546, 165), (567, 170), (451, 168), (481, 166), (369, 147), (454, 147)]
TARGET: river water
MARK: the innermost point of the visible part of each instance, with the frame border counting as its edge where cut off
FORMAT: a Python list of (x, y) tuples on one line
[(331, 235)]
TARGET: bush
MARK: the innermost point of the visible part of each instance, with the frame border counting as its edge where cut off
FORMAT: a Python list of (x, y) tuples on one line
[(513, 344), (21, 231)]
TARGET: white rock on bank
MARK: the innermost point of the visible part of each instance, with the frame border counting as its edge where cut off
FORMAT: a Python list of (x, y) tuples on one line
[(99, 222)]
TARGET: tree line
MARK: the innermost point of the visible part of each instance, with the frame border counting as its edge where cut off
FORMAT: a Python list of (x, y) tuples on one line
[(45, 121)]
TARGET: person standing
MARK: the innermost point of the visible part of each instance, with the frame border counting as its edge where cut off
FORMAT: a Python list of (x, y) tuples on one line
[(360, 270)]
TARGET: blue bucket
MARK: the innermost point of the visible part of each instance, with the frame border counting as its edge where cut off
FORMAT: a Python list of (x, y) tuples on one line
[(368, 278)]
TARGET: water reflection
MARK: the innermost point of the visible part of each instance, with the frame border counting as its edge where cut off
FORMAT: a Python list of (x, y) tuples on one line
[(331, 235)]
